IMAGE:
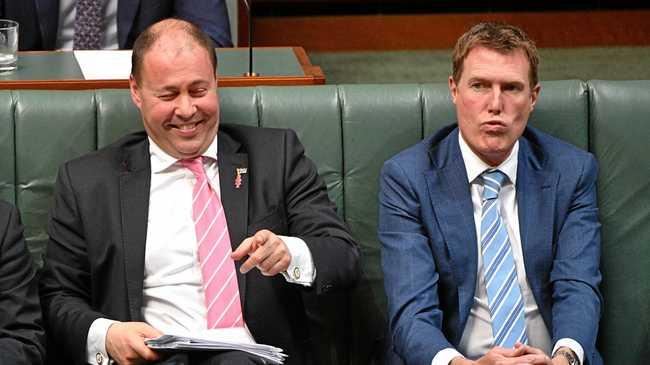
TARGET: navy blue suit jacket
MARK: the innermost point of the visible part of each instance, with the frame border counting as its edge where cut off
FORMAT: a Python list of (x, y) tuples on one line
[(39, 19), (429, 249)]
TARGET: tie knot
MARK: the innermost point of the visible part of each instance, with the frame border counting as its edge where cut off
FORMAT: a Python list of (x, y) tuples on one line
[(195, 165), (493, 180)]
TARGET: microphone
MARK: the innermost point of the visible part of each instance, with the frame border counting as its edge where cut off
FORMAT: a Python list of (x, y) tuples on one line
[(250, 72)]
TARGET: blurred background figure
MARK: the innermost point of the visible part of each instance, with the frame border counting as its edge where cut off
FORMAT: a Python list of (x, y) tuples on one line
[(107, 24)]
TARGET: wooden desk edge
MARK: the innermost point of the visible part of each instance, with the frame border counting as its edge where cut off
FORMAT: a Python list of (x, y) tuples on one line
[(313, 75)]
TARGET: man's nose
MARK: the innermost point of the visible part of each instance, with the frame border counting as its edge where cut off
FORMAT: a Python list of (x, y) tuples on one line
[(495, 102), (185, 107)]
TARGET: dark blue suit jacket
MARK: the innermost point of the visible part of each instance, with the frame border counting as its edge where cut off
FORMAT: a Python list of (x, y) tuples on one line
[(429, 250), (39, 19)]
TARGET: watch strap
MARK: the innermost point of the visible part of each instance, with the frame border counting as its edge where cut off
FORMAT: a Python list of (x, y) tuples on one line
[(569, 355)]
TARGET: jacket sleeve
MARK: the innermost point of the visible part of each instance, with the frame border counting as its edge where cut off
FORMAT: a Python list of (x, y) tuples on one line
[(22, 336), (312, 217), (211, 16), (65, 285), (410, 274), (575, 276)]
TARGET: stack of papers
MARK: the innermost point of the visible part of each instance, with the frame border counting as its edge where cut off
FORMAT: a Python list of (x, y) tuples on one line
[(172, 342), (104, 64)]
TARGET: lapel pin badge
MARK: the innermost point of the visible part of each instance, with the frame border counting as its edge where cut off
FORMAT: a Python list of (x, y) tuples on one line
[(239, 172)]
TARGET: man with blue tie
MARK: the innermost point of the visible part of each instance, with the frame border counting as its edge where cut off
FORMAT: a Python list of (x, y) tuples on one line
[(489, 228)]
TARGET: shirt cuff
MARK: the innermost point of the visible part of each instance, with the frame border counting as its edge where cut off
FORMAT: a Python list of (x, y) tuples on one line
[(96, 343), (573, 345), (301, 269), (444, 356)]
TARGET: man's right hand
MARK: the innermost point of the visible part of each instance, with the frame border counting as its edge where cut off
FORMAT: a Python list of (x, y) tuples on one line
[(125, 343), (503, 356)]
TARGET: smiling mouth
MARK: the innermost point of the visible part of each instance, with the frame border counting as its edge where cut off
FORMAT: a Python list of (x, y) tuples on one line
[(186, 126)]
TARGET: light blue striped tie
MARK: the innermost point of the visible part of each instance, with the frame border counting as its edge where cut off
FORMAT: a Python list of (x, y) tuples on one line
[(504, 295)]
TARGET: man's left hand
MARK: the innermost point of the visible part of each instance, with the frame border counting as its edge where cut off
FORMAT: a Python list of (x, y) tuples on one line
[(536, 356), (266, 251)]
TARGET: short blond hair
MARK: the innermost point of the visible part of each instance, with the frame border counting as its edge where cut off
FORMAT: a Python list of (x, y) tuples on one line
[(501, 37)]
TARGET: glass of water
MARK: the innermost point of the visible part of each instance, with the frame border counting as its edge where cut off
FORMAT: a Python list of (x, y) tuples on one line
[(8, 45)]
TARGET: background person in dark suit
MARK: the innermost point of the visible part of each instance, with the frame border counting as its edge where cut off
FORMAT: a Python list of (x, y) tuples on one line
[(21, 333), (444, 206), (121, 263), (41, 21)]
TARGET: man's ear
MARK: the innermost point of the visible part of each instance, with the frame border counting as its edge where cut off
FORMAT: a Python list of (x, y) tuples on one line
[(135, 92), (534, 94), (453, 89)]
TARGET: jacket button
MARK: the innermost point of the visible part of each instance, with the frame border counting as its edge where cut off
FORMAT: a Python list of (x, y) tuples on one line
[(99, 358)]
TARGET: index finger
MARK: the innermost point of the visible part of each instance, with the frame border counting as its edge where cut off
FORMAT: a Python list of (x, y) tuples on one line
[(526, 349), (245, 247), (147, 330)]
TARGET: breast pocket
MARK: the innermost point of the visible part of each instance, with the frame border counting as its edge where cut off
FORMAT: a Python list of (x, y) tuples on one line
[(274, 221)]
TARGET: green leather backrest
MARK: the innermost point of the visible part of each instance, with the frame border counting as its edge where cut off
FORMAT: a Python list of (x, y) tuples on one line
[(7, 156), (50, 128), (116, 116), (620, 134), (313, 112), (349, 131)]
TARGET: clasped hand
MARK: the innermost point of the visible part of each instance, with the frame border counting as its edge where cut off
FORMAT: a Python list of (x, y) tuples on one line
[(519, 355)]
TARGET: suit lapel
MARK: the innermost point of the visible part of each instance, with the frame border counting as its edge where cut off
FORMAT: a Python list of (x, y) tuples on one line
[(48, 20), (450, 197), (536, 189), (135, 184), (234, 197), (126, 11)]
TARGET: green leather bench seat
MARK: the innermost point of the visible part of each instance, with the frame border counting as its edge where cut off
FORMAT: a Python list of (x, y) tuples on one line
[(349, 131)]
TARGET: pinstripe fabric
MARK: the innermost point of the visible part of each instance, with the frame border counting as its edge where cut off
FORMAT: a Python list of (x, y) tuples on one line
[(217, 268), (504, 295)]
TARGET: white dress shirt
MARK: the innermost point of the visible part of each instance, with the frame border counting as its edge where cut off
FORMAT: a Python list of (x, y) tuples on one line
[(477, 338), (173, 297), (67, 14)]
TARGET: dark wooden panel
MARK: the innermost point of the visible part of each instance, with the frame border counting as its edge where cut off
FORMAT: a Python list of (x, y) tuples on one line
[(369, 7), (440, 31)]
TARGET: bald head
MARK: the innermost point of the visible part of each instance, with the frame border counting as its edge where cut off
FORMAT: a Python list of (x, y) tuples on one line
[(174, 36)]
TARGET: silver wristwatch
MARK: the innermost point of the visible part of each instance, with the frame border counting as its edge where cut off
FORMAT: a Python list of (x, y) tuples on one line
[(569, 355)]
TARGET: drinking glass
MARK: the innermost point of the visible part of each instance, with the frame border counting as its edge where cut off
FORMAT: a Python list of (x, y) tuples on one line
[(8, 45)]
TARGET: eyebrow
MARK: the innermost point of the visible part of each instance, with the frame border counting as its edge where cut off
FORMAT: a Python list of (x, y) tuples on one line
[(491, 81), (176, 88)]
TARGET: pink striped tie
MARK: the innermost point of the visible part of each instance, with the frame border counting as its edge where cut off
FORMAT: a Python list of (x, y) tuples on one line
[(218, 269)]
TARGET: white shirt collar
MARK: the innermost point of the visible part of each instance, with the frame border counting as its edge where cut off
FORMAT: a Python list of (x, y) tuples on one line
[(161, 160), (475, 166)]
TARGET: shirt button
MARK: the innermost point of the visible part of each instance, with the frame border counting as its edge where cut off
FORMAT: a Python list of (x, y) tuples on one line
[(296, 273), (99, 358)]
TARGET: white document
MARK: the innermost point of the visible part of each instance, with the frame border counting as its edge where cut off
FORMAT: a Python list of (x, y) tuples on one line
[(208, 342), (104, 65)]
